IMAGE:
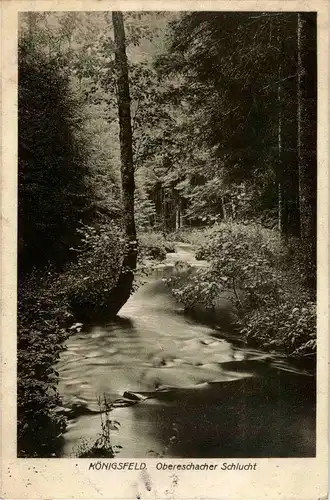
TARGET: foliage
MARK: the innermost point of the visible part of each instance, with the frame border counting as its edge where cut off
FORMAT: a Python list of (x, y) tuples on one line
[(232, 57), (275, 307), (195, 237), (192, 288), (230, 82), (43, 315), (90, 279), (53, 161), (288, 326), (154, 246)]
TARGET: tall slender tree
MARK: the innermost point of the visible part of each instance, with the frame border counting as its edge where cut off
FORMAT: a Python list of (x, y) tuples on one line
[(125, 282), (307, 136)]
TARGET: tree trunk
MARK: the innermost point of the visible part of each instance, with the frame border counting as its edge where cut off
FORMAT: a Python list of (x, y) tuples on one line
[(281, 191), (125, 281), (233, 210), (279, 206), (182, 221), (307, 135), (224, 210), (177, 218)]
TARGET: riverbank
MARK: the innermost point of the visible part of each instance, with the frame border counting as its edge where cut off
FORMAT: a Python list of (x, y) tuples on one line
[(262, 281)]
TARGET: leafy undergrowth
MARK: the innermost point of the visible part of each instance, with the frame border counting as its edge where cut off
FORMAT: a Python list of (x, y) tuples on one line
[(276, 309), (195, 237), (46, 301), (89, 280), (42, 320), (154, 246)]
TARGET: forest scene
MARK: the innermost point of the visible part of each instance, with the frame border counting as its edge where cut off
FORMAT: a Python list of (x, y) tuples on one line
[(167, 194)]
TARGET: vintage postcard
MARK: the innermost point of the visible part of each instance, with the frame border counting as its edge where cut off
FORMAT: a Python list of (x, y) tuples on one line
[(164, 273)]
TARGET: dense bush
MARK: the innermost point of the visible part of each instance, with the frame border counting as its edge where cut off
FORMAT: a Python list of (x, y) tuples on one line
[(274, 305), (154, 246), (192, 236), (90, 279), (289, 325), (43, 316)]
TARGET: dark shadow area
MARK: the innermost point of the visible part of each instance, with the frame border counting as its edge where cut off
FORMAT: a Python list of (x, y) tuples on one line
[(250, 418)]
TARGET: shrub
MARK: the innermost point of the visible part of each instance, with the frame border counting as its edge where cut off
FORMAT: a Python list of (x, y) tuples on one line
[(154, 246), (90, 279), (43, 315), (275, 307), (285, 326), (195, 237), (191, 287)]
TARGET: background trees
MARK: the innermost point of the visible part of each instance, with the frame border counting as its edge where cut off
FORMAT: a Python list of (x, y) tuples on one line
[(220, 121), (307, 135), (235, 90), (65, 178)]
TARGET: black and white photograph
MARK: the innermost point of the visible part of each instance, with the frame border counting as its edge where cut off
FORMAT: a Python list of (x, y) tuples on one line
[(165, 249), (167, 230)]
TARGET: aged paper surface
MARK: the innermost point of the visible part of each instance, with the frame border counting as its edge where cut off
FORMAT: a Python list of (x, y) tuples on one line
[(287, 478)]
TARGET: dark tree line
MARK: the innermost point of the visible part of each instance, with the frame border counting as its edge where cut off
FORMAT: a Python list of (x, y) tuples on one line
[(53, 195)]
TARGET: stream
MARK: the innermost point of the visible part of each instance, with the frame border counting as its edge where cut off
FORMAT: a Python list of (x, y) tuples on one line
[(182, 388)]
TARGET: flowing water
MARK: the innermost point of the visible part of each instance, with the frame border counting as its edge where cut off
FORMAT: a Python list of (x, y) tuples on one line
[(182, 389)]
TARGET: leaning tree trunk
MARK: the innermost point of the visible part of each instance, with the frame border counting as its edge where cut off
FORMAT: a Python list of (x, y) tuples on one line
[(125, 281), (307, 136)]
